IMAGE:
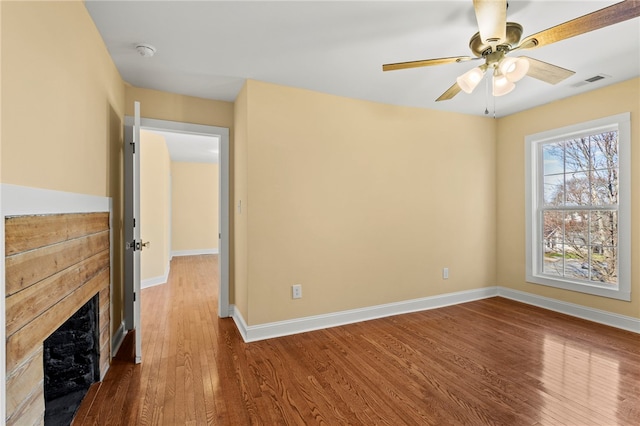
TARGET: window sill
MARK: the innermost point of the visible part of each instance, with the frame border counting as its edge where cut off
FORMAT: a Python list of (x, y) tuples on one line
[(596, 290)]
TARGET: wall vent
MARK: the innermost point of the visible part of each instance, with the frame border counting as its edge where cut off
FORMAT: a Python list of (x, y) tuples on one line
[(591, 80)]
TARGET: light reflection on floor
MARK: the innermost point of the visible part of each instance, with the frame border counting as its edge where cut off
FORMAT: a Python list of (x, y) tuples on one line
[(585, 381)]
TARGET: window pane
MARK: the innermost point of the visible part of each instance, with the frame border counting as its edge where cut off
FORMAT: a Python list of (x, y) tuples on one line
[(553, 243), (553, 158), (553, 263), (604, 150), (576, 263), (604, 265), (604, 240), (604, 228), (576, 224), (604, 184), (577, 189), (577, 155), (554, 190)]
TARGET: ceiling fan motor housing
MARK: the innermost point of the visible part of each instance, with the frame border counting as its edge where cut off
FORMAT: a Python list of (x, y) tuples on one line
[(513, 35)]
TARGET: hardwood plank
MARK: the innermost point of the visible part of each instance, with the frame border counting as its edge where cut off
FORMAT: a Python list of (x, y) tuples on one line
[(24, 381), (493, 361), (24, 233), (150, 381), (87, 403), (29, 338), (25, 269), (24, 306)]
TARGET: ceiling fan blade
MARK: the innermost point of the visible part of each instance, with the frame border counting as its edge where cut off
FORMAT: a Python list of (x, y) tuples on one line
[(492, 20), (424, 63), (611, 15), (546, 72), (450, 93)]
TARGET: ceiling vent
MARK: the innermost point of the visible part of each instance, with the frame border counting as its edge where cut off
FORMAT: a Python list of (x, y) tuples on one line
[(591, 80)]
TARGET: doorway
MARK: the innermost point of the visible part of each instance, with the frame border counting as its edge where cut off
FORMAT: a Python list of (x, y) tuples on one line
[(200, 136)]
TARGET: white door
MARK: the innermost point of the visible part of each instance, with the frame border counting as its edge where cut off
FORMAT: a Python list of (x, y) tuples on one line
[(131, 224)]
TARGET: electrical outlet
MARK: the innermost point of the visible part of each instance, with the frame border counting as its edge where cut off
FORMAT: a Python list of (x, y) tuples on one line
[(445, 273), (296, 291)]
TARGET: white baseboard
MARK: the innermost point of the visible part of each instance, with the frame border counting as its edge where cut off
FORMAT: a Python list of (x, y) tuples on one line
[(596, 315), (241, 324), (153, 281), (252, 333), (118, 339), (195, 252)]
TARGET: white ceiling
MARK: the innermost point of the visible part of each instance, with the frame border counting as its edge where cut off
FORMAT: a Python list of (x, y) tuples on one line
[(208, 48), (190, 148)]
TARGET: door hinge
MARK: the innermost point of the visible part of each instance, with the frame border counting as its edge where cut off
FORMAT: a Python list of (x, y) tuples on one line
[(134, 222), (134, 297), (133, 146)]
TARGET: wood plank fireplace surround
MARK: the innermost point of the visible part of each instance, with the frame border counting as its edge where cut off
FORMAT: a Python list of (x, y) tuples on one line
[(54, 265)]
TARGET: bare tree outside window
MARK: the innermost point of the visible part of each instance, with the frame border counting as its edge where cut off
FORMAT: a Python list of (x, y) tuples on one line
[(580, 226)]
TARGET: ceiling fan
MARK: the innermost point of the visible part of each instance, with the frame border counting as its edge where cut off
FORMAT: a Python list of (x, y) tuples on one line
[(497, 38)]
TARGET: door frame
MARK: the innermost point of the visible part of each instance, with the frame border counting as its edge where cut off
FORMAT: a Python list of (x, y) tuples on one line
[(223, 194)]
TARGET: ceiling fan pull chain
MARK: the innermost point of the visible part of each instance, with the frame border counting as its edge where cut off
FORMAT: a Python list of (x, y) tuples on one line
[(486, 97), (494, 107), (492, 96)]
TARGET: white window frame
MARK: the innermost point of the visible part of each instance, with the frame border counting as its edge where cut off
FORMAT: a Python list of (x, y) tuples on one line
[(533, 171)]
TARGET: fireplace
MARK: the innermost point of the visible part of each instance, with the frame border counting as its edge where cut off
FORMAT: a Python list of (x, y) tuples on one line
[(54, 265), (71, 357)]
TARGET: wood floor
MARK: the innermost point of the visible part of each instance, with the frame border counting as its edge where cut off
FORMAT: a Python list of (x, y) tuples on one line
[(490, 362)]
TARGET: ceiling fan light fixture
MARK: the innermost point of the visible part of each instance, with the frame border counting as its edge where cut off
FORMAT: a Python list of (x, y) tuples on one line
[(470, 79), (514, 69), (501, 85)]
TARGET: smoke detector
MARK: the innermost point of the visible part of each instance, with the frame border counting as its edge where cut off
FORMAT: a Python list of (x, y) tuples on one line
[(145, 50)]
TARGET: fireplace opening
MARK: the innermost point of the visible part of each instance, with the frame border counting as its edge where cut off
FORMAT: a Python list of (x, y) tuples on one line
[(71, 364)]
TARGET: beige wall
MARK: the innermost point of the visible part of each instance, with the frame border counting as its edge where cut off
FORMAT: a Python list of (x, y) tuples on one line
[(362, 203), (194, 214), (65, 93), (173, 107), (155, 182), (63, 104), (512, 130)]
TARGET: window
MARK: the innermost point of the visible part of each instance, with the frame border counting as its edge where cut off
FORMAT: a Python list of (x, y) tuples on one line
[(578, 211)]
